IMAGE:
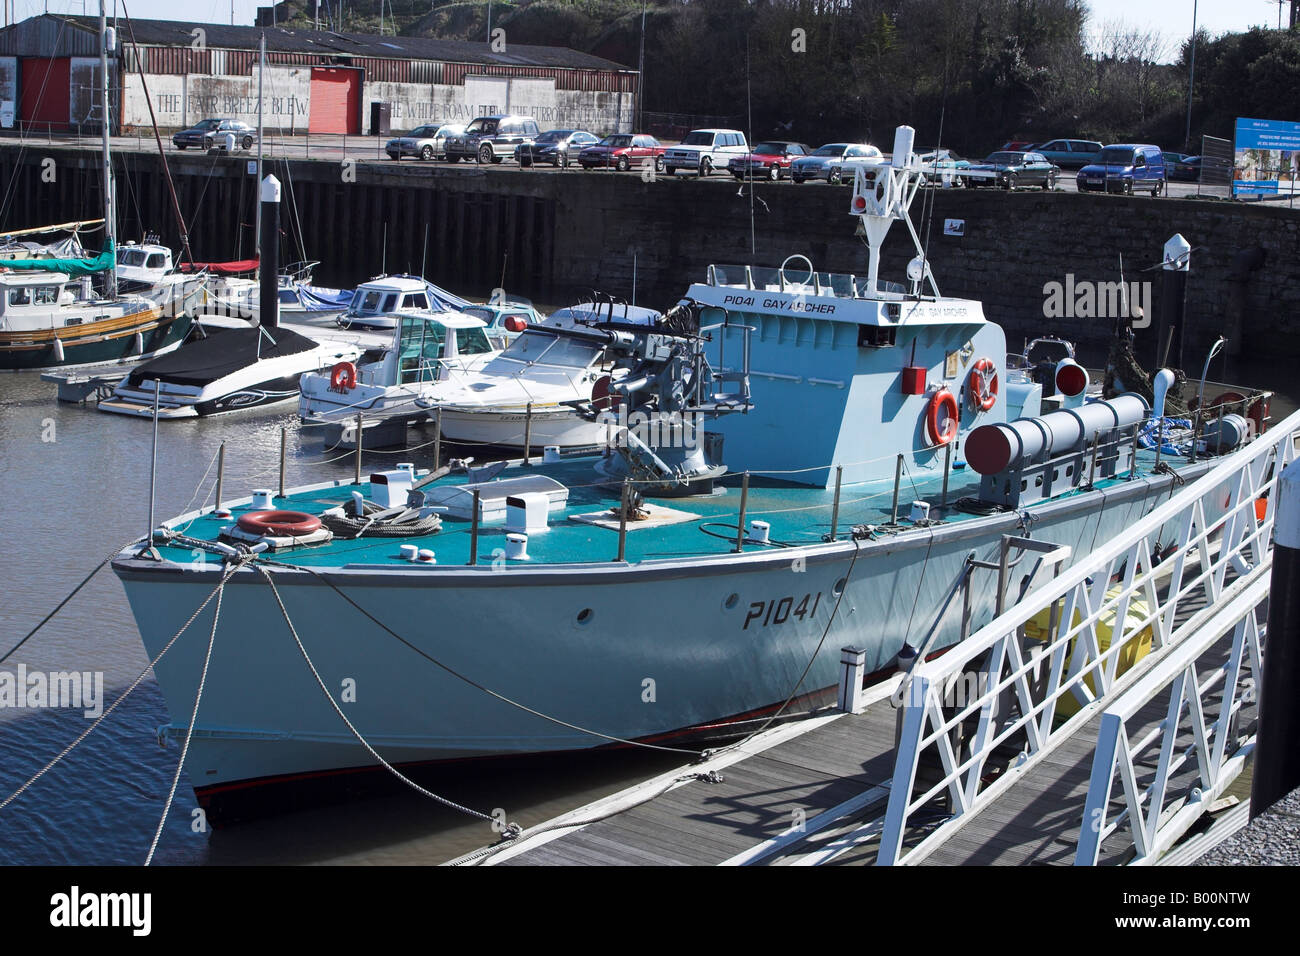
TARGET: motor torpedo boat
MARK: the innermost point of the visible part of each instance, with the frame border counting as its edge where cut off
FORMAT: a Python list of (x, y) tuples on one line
[(698, 573)]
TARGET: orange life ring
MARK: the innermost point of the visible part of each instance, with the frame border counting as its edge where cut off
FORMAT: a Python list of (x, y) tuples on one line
[(343, 377), (983, 385), (941, 417), (292, 523)]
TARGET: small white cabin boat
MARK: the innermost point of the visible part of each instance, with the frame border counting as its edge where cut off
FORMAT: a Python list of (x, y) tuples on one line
[(379, 303)]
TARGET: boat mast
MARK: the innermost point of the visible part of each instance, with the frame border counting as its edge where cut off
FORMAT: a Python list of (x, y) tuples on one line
[(257, 225), (110, 226)]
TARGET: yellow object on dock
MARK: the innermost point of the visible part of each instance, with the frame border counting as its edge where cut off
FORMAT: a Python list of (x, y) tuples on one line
[(1039, 628)]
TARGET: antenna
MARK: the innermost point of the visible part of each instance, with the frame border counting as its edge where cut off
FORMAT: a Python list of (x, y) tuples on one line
[(749, 132), (929, 221)]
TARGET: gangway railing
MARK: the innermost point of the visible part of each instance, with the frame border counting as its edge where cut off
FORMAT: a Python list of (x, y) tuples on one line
[(1215, 525), (1156, 817)]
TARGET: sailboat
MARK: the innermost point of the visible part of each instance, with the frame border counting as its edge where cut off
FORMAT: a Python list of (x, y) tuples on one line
[(51, 316)]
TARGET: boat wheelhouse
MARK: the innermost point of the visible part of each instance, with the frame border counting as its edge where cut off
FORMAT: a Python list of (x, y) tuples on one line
[(379, 303)]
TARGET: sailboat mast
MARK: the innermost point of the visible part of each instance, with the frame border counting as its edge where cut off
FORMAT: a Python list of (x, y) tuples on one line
[(110, 225), (261, 73)]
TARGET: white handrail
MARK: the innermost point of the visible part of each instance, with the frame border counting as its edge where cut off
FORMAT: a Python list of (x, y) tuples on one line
[(1153, 829), (1216, 526)]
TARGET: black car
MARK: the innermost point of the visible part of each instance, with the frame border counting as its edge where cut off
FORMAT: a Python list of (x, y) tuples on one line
[(559, 147), (212, 132), (1009, 169), (1183, 168)]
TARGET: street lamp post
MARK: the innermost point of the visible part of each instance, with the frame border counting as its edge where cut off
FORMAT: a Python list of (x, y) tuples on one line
[(1191, 78)]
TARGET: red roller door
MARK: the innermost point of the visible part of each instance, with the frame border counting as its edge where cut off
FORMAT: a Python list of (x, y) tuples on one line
[(45, 92), (335, 100)]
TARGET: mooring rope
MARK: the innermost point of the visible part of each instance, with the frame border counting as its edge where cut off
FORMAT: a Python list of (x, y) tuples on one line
[(194, 714), (469, 680), (127, 693), (510, 830), (71, 594)]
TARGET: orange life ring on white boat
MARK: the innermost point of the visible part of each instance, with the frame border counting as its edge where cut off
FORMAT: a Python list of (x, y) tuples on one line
[(343, 377), (941, 417), (983, 385), (291, 523)]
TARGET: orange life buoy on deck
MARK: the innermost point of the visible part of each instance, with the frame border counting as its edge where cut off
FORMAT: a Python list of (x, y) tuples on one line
[(293, 523), (941, 417), (343, 377), (983, 385)]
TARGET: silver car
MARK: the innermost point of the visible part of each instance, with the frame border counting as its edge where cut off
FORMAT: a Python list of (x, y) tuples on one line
[(423, 142), (834, 162)]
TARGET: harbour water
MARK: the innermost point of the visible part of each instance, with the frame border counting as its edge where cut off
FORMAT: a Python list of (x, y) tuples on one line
[(75, 488)]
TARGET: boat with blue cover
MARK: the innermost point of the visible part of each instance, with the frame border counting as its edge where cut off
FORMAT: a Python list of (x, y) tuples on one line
[(799, 461)]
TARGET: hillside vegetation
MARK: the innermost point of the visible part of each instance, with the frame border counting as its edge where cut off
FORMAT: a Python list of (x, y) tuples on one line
[(987, 70)]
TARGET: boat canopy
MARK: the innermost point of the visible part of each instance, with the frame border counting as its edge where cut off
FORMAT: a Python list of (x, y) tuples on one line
[(202, 362), (74, 266)]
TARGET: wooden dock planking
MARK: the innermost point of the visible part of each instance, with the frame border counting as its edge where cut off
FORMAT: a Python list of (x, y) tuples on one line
[(1036, 821), (704, 824)]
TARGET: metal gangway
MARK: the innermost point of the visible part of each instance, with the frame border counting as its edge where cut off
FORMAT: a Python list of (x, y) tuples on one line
[(1192, 579)]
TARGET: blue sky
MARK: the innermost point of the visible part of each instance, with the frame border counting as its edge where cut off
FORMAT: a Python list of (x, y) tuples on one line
[(1171, 18)]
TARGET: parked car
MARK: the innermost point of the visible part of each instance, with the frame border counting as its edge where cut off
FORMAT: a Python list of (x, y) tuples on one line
[(769, 159), (208, 133), (559, 147), (834, 162), (622, 151), (1070, 153), (1182, 167), (1125, 167), (425, 142), (942, 166), (704, 150), (1011, 169), (490, 139)]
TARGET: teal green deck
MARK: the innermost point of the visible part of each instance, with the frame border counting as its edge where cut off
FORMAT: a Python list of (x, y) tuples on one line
[(798, 515)]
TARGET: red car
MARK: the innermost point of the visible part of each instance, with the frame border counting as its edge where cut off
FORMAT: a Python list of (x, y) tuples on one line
[(623, 151), (770, 159)]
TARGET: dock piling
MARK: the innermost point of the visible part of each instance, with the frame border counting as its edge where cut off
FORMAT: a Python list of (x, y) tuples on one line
[(284, 443), (853, 667)]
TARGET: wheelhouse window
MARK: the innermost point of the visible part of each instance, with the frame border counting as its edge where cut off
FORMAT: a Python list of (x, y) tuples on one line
[(20, 296), (45, 295), (419, 349), (472, 342)]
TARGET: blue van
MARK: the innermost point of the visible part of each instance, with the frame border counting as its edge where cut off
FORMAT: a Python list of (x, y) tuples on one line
[(1125, 167)]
